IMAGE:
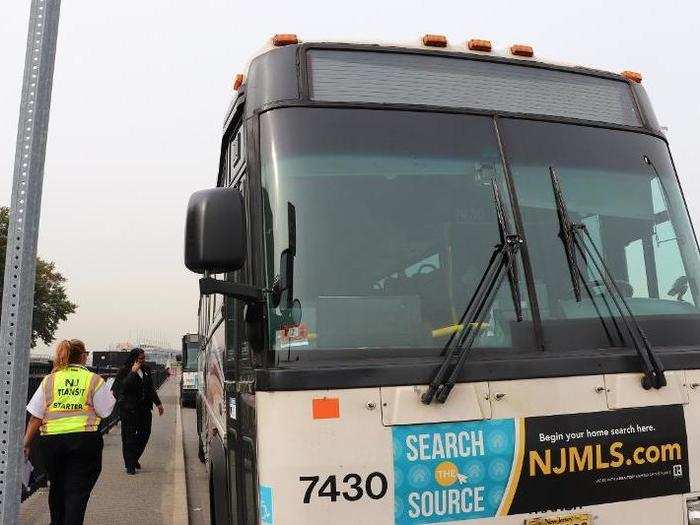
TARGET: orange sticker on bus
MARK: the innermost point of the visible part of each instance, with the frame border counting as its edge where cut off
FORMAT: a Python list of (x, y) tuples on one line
[(326, 408)]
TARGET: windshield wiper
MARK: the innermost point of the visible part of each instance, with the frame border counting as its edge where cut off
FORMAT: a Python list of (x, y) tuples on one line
[(574, 237), (566, 234), (500, 265)]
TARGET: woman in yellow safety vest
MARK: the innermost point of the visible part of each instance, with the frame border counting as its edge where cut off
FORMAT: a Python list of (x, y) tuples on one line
[(67, 408)]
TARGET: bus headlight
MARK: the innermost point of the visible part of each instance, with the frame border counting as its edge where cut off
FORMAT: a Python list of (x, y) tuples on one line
[(693, 511)]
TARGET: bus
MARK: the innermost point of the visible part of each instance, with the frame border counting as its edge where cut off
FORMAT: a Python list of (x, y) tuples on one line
[(190, 362), (443, 283)]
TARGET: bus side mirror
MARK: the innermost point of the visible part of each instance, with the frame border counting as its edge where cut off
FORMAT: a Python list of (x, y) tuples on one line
[(215, 231)]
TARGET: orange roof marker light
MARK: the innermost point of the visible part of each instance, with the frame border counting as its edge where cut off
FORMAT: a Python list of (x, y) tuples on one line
[(284, 39), (238, 81), (633, 76), (521, 50), (435, 40), (476, 44)]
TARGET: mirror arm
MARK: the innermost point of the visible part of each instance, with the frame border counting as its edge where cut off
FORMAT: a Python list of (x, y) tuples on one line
[(246, 293)]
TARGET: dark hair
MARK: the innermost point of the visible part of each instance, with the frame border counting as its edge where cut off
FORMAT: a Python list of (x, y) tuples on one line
[(134, 354)]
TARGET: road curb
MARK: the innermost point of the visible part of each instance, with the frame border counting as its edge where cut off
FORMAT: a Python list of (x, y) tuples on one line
[(179, 502)]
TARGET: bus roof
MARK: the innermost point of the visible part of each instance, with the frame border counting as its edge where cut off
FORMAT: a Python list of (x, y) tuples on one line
[(276, 72), (461, 48)]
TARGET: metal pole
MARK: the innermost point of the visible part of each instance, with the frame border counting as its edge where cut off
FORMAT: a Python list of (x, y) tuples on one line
[(20, 262)]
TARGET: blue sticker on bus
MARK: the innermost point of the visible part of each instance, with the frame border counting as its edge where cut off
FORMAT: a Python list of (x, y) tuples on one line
[(452, 471), (266, 509)]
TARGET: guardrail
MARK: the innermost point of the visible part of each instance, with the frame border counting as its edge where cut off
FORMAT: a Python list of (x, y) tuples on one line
[(40, 369)]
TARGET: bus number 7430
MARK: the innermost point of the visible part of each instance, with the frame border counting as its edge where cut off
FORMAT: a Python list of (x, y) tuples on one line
[(375, 486)]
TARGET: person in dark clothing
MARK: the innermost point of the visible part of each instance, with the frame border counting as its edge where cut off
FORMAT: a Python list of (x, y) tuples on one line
[(136, 395)]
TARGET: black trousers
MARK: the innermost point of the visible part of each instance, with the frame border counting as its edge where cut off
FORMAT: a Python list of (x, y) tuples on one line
[(136, 430), (73, 463)]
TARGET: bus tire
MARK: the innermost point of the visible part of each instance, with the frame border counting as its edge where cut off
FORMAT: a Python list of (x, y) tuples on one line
[(218, 484), (200, 451), (212, 500)]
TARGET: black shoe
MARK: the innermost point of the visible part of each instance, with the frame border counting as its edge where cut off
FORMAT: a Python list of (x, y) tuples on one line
[(131, 470), (138, 465)]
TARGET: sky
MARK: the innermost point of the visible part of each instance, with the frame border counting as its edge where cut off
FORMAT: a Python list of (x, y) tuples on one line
[(140, 91)]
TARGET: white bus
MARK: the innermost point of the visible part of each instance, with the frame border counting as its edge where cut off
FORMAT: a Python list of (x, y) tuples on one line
[(445, 284)]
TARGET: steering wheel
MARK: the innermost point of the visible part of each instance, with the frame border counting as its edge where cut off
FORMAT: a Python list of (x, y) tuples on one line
[(429, 266), (625, 288)]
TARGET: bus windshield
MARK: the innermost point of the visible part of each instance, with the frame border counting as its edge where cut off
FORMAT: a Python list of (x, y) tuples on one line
[(395, 225), (190, 360), (622, 187)]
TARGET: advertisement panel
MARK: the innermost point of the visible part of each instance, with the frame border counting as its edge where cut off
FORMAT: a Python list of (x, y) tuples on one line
[(476, 469)]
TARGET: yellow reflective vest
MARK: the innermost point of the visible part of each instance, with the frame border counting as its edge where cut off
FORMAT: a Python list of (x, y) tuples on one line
[(68, 393)]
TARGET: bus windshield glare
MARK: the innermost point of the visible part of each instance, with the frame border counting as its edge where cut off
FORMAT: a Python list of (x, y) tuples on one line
[(395, 225)]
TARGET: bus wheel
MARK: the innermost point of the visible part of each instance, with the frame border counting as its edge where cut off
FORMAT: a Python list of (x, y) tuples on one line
[(212, 500), (218, 483), (200, 451)]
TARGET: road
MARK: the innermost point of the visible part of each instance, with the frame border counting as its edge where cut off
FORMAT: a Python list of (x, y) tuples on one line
[(196, 473)]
